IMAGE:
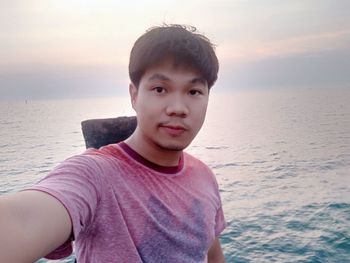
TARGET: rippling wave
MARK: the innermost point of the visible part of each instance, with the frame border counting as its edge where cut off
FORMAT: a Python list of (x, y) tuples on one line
[(282, 161)]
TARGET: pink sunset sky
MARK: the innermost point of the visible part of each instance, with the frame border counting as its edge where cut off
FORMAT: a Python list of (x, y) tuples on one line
[(76, 48)]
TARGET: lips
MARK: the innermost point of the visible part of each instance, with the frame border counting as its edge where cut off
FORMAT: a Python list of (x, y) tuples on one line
[(173, 130)]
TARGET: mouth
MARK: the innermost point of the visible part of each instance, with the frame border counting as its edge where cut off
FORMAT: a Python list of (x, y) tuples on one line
[(173, 130)]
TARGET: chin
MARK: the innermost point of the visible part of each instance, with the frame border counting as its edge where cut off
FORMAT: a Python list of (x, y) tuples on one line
[(175, 147)]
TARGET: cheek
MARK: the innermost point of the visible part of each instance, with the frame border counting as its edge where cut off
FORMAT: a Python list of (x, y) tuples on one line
[(200, 114), (201, 120), (147, 112)]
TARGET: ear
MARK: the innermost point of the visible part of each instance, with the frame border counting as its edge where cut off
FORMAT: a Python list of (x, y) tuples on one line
[(133, 94)]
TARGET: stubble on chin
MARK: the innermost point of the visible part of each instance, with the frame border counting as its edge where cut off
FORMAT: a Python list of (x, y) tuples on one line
[(171, 147)]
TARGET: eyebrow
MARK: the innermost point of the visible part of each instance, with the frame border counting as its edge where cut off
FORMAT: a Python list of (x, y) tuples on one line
[(159, 76), (198, 80)]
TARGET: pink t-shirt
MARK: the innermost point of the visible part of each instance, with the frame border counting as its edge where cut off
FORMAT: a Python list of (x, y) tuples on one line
[(127, 209)]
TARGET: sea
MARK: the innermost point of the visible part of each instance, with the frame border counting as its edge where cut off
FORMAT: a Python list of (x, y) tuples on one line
[(281, 158)]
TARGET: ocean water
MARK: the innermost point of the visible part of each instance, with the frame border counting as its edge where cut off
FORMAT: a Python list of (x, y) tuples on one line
[(281, 158)]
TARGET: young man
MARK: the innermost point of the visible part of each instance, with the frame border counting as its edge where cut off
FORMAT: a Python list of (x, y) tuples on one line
[(141, 200)]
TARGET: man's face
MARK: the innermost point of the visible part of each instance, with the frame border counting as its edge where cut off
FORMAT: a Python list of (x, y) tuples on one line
[(171, 104)]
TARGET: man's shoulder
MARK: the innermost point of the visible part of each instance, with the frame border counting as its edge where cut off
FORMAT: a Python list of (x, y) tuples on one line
[(93, 165), (195, 162), (92, 159), (105, 152)]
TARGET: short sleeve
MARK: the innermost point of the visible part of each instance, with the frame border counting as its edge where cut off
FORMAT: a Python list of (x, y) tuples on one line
[(220, 222), (75, 183), (61, 252)]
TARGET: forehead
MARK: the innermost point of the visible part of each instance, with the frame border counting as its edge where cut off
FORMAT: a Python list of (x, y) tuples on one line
[(170, 69)]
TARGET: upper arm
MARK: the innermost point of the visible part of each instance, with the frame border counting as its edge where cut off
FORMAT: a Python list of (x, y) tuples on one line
[(215, 254), (32, 224)]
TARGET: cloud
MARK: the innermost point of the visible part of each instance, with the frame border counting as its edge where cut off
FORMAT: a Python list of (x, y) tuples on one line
[(55, 82), (65, 48), (312, 43), (328, 68)]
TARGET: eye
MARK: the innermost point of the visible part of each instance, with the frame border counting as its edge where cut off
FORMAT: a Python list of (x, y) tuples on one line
[(195, 92), (159, 90)]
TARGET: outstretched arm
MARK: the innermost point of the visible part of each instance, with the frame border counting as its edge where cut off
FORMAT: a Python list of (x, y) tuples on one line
[(215, 254), (32, 224)]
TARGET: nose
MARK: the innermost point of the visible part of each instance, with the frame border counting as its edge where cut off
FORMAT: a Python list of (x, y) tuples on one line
[(177, 106)]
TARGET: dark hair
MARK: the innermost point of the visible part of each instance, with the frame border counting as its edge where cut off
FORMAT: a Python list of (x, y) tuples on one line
[(180, 42)]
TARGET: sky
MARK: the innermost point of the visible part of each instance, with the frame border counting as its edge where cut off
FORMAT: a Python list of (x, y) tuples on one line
[(80, 48)]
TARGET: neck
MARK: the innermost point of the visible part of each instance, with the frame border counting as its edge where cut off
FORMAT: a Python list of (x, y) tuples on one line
[(153, 152)]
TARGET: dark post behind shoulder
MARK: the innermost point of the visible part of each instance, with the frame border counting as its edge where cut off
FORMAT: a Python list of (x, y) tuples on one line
[(100, 132)]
